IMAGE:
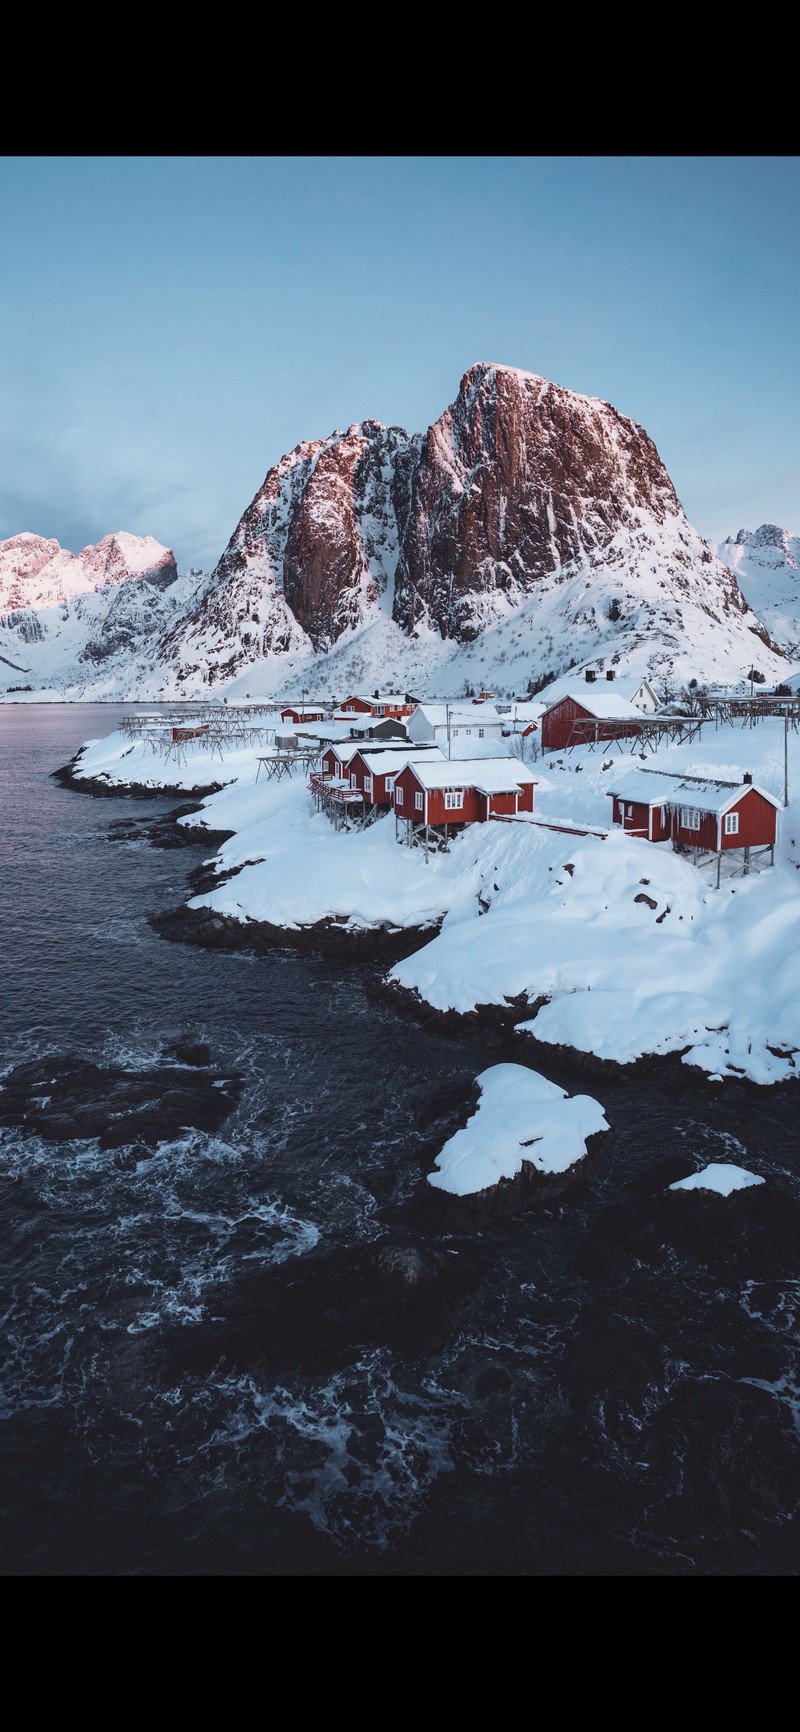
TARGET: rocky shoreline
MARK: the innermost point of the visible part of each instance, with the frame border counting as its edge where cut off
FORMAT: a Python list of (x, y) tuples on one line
[(492, 1026)]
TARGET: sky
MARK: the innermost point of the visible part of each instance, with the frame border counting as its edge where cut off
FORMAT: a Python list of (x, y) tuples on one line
[(171, 326)]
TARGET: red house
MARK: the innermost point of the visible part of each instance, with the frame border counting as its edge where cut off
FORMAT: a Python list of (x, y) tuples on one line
[(302, 713), (579, 719), (696, 813), (380, 705), (374, 773), (336, 759), (452, 792)]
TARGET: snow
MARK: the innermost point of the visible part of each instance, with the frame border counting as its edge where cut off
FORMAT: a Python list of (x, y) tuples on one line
[(520, 1117), (718, 1176), (633, 949), (499, 775), (610, 706), (704, 795)]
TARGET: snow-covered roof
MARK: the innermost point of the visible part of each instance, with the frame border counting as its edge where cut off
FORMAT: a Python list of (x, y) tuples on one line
[(466, 715), (610, 706), (387, 762), (528, 712), (706, 796), (488, 775), (629, 684)]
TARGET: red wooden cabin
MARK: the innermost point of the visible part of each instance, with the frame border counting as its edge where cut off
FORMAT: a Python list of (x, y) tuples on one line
[(579, 721), (467, 792), (696, 812), (375, 773), (302, 713)]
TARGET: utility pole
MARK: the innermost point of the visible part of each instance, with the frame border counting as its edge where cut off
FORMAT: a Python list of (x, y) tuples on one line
[(785, 758)]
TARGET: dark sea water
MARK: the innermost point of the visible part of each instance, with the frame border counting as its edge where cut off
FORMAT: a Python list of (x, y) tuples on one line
[(212, 1361)]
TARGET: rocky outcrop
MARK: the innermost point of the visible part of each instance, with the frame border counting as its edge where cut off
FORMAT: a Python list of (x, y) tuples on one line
[(312, 557), (520, 481)]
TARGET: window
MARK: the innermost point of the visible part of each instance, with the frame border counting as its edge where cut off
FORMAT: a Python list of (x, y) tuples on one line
[(731, 823), (629, 811), (453, 799), (389, 784), (481, 732), (418, 802), (380, 710), (690, 818), (398, 795), (353, 779), (367, 784)]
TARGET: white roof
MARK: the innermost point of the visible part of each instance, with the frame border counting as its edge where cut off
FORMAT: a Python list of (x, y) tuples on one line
[(697, 791), (573, 681), (527, 712), (488, 775), (606, 705), (386, 762), (629, 684), (464, 715)]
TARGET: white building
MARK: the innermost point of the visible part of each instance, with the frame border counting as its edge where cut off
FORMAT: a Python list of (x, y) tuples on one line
[(466, 729)]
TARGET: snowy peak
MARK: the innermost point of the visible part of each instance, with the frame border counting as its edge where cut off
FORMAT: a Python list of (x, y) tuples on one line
[(37, 573), (766, 562), (119, 557)]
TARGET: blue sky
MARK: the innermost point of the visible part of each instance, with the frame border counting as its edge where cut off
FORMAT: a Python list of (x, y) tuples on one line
[(170, 326)]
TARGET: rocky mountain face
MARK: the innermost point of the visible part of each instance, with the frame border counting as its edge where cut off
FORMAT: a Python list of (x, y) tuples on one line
[(521, 493), (528, 531), (313, 556), (766, 564)]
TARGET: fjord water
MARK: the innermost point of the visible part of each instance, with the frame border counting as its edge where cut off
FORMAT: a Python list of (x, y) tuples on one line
[(193, 1380)]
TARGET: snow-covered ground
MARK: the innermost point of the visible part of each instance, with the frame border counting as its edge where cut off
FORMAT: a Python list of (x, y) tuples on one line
[(634, 949)]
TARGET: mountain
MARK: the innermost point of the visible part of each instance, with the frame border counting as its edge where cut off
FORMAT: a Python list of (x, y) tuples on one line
[(64, 617), (529, 530), (766, 564)]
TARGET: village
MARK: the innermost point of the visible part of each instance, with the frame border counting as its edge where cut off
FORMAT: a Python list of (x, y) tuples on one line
[(637, 861)]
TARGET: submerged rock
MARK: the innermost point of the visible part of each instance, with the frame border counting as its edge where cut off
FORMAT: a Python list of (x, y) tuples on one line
[(63, 1098)]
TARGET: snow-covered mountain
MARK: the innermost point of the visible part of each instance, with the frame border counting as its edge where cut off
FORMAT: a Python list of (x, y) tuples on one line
[(76, 620), (530, 529), (766, 564)]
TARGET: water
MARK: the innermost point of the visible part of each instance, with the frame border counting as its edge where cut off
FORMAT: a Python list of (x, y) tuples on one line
[(210, 1365)]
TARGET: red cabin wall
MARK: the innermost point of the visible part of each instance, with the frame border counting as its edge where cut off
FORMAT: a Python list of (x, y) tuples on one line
[(472, 811), (557, 724), (757, 822), (637, 823), (526, 795), (503, 805), (705, 837), (559, 729)]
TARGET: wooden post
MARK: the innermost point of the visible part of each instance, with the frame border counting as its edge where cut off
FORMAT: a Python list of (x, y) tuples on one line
[(719, 865)]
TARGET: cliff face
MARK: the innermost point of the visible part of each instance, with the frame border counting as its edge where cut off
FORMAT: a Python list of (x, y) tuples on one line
[(520, 481), (312, 557), (529, 530)]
